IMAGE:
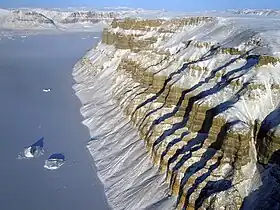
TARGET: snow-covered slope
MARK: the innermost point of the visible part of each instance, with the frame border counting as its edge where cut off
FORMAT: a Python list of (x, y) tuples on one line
[(199, 98)]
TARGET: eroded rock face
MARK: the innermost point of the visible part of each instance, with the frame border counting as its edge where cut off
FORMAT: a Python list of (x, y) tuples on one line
[(88, 16), (203, 97)]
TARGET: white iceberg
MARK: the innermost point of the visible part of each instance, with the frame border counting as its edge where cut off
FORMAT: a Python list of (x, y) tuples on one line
[(55, 161), (34, 150), (46, 90)]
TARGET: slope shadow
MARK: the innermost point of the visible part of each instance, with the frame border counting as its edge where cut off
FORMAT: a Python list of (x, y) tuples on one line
[(206, 56), (151, 83), (275, 158), (210, 152), (267, 196), (197, 142), (272, 120), (251, 62), (272, 200), (212, 187), (185, 92)]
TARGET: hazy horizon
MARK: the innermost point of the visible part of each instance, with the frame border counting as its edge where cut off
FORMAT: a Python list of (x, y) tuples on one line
[(175, 5)]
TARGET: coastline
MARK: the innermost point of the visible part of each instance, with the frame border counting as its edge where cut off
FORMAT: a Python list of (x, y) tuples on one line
[(123, 164)]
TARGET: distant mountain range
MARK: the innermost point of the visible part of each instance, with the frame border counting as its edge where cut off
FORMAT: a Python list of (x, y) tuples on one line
[(92, 19), (63, 19), (264, 12)]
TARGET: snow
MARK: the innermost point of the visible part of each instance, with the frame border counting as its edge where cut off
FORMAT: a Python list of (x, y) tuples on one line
[(27, 153), (53, 164), (123, 164), (33, 151), (55, 161), (13, 18)]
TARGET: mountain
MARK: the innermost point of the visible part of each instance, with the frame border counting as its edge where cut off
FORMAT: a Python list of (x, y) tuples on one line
[(25, 19), (184, 112), (264, 12), (183, 109), (68, 19)]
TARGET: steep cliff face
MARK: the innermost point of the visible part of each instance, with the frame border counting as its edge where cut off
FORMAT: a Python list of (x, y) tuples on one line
[(184, 113)]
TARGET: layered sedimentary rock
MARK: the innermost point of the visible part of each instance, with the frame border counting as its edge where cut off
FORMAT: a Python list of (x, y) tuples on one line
[(184, 113), (88, 16)]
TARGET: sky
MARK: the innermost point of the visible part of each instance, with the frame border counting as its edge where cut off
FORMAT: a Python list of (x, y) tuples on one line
[(174, 5)]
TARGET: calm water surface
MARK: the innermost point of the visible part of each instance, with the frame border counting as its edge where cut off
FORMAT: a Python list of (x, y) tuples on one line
[(27, 113)]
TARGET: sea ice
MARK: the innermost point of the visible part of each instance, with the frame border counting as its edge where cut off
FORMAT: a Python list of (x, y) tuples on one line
[(55, 161)]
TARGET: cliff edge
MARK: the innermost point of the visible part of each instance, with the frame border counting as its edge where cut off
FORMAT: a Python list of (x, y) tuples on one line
[(184, 113)]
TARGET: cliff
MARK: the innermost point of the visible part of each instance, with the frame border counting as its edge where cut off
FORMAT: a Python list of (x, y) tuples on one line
[(184, 113)]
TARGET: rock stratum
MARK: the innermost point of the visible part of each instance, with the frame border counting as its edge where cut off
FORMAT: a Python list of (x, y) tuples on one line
[(184, 113)]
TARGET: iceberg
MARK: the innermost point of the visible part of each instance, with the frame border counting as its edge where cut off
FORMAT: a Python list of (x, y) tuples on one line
[(55, 161), (47, 90), (34, 150)]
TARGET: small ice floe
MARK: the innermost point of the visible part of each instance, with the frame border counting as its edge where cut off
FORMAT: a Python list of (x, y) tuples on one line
[(47, 90), (96, 37), (55, 161), (34, 150)]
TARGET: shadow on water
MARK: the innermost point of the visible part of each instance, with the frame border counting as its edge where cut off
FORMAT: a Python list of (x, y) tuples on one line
[(39, 143), (57, 156)]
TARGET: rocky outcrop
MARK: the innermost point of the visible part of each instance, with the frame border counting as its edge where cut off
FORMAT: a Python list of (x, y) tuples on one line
[(203, 97)]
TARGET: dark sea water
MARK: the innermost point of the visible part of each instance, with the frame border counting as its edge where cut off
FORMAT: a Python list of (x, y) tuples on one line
[(27, 113)]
